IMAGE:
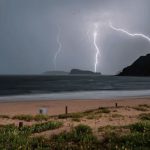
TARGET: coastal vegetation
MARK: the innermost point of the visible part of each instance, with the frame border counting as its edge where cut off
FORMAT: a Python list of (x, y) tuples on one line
[(80, 137), (38, 117), (79, 131)]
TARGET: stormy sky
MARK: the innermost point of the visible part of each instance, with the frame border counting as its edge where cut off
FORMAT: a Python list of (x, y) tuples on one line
[(29, 31)]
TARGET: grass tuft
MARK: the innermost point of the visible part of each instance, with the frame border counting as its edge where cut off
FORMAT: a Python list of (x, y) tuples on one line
[(144, 116), (41, 117), (24, 117), (71, 115), (31, 118), (76, 119), (103, 110), (4, 116), (144, 105), (140, 108), (117, 116)]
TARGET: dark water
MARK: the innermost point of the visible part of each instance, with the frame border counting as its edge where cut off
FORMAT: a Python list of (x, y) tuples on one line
[(16, 85)]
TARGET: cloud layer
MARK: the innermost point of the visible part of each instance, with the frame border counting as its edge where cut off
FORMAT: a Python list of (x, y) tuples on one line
[(29, 31)]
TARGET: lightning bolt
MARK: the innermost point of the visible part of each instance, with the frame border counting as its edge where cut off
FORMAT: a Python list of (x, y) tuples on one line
[(59, 49), (128, 33), (95, 33)]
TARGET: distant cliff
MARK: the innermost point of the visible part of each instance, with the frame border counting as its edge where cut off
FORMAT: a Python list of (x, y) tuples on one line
[(141, 67), (83, 72)]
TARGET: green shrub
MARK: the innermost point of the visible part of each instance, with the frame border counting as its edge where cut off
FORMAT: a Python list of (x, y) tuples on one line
[(62, 137), (76, 119), (24, 117), (12, 138), (89, 111), (39, 143), (139, 108), (83, 129), (36, 128), (90, 117), (4, 116), (144, 116), (63, 116), (140, 127), (45, 126), (71, 115), (80, 137), (103, 110), (131, 141), (31, 118), (41, 117), (107, 128), (144, 105), (117, 116)]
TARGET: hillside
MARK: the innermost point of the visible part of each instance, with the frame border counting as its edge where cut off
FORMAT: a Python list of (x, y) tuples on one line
[(141, 67)]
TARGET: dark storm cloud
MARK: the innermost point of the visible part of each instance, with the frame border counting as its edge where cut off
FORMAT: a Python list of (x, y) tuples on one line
[(29, 28)]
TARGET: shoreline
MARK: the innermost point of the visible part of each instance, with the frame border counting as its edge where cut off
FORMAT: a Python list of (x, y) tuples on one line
[(80, 95)]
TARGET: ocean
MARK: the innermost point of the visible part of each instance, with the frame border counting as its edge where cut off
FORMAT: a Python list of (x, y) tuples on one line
[(57, 86)]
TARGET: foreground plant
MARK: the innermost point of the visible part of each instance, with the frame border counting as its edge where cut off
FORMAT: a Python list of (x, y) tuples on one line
[(137, 139), (80, 137), (36, 128), (32, 118)]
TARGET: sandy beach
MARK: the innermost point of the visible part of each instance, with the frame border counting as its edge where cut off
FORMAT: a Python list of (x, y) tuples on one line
[(56, 107), (94, 113)]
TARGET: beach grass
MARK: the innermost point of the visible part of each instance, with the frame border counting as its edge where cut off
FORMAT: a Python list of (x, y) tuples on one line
[(103, 110), (29, 118), (144, 116), (80, 137), (5, 116), (141, 108), (40, 127), (84, 133)]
